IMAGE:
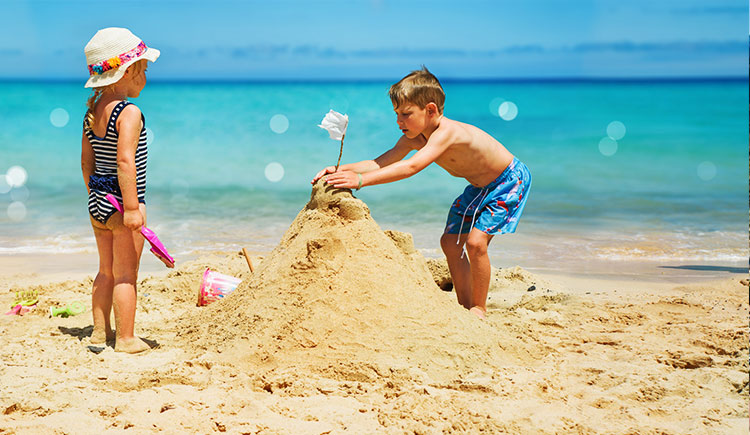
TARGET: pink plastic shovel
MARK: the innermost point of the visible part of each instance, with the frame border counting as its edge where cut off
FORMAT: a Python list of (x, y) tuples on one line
[(157, 247)]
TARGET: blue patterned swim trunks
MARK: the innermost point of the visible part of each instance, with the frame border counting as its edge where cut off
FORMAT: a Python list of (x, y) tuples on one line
[(494, 208)]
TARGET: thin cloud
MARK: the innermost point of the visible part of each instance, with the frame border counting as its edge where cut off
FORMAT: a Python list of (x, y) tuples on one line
[(260, 51), (524, 49), (410, 52), (312, 51), (650, 47), (714, 10)]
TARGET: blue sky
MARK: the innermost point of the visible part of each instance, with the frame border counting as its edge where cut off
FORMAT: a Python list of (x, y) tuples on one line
[(383, 39)]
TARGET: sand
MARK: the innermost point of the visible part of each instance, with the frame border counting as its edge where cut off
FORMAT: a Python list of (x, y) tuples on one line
[(344, 328)]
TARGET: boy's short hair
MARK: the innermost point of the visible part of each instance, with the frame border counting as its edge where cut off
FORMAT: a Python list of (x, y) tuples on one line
[(420, 87)]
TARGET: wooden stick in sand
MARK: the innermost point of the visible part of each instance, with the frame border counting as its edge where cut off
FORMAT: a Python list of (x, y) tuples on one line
[(247, 257)]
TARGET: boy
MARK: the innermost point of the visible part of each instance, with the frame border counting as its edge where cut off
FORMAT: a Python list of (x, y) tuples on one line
[(491, 204)]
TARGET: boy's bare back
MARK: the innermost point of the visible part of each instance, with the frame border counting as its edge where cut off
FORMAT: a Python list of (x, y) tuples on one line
[(469, 152)]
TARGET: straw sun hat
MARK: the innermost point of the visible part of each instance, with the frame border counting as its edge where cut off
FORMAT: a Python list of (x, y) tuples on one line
[(110, 52)]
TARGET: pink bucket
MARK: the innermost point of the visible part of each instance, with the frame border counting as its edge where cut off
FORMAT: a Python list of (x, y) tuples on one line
[(215, 286)]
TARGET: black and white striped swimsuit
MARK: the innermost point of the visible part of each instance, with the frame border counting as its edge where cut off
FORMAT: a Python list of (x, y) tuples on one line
[(104, 179)]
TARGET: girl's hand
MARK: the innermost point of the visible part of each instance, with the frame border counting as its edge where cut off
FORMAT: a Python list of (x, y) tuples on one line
[(133, 219), (327, 170), (345, 179)]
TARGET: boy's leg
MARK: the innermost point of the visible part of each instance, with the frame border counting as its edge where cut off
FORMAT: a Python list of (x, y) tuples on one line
[(458, 266), (476, 247), (101, 295)]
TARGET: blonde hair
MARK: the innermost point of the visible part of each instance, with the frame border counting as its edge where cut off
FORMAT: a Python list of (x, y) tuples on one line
[(135, 68), (420, 87), (91, 103)]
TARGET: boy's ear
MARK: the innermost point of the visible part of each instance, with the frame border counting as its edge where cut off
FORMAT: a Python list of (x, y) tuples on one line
[(432, 108)]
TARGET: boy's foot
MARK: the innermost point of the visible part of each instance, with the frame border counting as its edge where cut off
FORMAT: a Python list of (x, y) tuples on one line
[(101, 336), (478, 312), (131, 345)]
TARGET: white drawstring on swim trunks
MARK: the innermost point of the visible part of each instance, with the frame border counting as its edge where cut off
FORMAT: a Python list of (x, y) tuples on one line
[(461, 227)]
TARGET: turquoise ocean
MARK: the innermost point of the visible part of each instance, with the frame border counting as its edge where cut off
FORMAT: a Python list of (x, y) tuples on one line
[(653, 173)]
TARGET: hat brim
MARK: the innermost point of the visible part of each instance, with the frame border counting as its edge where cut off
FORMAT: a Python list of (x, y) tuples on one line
[(114, 75)]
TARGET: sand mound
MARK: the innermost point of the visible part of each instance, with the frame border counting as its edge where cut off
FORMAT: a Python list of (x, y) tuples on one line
[(512, 279), (344, 297)]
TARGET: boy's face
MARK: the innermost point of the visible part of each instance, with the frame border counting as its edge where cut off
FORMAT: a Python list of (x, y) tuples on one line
[(411, 119)]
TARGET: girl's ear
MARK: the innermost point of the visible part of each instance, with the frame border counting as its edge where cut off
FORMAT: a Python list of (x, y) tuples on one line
[(131, 69)]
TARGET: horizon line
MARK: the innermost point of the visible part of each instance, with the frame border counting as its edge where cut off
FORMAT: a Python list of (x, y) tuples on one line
[(309, 80)]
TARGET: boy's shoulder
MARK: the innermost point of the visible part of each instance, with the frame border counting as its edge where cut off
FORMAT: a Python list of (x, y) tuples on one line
[(452, 131), (452, 124)]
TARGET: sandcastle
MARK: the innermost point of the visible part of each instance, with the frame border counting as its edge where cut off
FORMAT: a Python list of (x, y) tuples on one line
[(339, 290)]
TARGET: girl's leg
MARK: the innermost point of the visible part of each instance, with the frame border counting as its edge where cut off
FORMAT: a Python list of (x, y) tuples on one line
[(459, 267), (101, 295), (127, 247), (476, 247)]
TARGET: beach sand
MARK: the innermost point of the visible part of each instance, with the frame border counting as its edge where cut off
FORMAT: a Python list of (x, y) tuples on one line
[(343, 329)]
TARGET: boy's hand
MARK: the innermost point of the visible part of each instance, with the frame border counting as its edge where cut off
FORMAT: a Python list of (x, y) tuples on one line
[(327, 170), (132, 219), (345, 179)]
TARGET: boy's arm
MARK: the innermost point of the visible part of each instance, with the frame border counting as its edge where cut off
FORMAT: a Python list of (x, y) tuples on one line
[(129, 130), (398, 170), (398, 152), (88, 163)]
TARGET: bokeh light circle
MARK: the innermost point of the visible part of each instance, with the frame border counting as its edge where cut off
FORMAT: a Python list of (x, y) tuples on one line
[(20, 194), (4, 186), (149, 136), (274, 172), (608, 146), (16, 211), (16, 176), (279, 123), (495, 105), (706, 171), (59, 117), (508, 110), (616, 130)]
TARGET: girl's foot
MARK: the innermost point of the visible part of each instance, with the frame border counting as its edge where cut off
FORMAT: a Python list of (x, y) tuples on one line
[(478, 312), (101, 336), (131, 345)]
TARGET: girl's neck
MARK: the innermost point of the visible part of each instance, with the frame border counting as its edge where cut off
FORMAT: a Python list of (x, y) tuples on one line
[(113, 96)]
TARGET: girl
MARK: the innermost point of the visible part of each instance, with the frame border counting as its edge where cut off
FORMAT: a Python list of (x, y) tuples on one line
[(113, 160)]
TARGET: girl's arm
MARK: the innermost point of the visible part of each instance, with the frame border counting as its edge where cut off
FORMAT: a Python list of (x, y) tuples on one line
[(129, 130), (88, 163)]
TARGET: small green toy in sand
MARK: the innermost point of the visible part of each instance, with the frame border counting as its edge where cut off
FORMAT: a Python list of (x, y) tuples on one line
[(24, 302), (26, 298), (72, 309)]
